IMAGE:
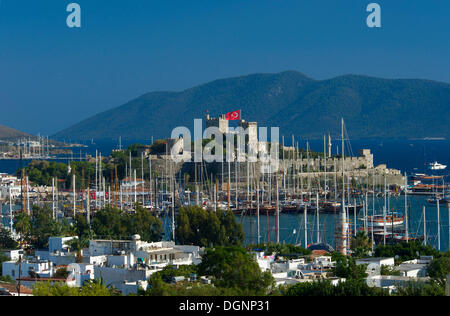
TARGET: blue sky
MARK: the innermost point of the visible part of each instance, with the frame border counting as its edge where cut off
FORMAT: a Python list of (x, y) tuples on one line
[(52, 76)]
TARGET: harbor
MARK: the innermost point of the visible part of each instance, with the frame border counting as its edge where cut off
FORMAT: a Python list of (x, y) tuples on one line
[(301, 203)]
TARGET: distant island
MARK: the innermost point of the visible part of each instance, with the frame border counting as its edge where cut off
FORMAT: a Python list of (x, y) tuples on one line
[(15, 144), (299, 105), (10, 134)]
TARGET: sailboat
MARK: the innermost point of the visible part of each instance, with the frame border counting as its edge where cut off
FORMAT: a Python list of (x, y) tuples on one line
[(439, 199), (392, 219)]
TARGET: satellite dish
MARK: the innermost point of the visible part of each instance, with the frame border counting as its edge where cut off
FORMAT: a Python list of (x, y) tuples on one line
[(374, 269)]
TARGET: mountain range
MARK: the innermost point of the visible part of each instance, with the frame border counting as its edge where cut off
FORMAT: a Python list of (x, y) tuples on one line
[(10, 134), (299, 105)]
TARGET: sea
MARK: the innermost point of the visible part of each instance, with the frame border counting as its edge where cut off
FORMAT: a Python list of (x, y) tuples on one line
[(410, 156)]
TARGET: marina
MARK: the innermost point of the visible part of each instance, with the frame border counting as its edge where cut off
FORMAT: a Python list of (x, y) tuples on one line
[(304, 199)]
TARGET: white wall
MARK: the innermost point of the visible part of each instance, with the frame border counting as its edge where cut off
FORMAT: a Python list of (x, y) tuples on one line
[(11, 268)]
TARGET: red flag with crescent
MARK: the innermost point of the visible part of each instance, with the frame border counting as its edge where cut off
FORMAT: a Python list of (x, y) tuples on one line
[(234, 116)]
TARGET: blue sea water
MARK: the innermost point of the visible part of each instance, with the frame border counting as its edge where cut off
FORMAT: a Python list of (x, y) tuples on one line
[(292, 226)]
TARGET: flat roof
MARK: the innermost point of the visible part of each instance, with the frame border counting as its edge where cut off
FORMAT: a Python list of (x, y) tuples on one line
[(375, 259)]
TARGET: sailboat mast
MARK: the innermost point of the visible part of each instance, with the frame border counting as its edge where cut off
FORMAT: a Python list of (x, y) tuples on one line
[(257, 212), (438, 225), (143, 181), (10, 210), (318, 220), (150, 178), (88, 207), (74, 196), (135, 186), (278, 213), (173, 210), (406, 208), (424, 226), (384, 212), (305, 219), (53, 198), (343, 215)]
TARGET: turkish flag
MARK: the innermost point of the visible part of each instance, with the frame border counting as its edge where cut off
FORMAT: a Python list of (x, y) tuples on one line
[(93, 195), (234, 116)]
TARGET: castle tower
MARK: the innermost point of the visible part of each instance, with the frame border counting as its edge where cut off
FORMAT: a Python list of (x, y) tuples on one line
[(221, 123), (252, 135)]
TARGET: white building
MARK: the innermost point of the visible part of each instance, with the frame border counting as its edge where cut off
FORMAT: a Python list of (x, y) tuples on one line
[(264, 261), (58, 252), (14, 255), (81, 273), (414, 268), (129, 263), (374, 264), (33, 267), (376, 261)]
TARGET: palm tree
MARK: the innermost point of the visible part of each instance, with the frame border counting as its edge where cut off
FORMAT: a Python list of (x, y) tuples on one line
[(361, 244), (22, 225), (76, 245)]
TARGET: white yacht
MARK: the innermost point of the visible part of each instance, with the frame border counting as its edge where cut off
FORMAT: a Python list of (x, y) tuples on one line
[(436, 166)]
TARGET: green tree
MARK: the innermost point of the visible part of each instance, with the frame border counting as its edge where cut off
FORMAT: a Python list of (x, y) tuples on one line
[(92, 288), (6, 279), (169, 272), (43, 226), (439, 268), (421, 289), (406, 251), (387, 270), (77, 245), (200, 227), (116, 224), (234, 268), (158, 287), (97, 288), (38, 227), (61, 273), (3, 258), (142, 222), (361, 244), (82, 228), (42, 172), (325, 288), (22, 225), (109, 223), (6, 240), (347, 268), (285, 250), (56, 289)]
